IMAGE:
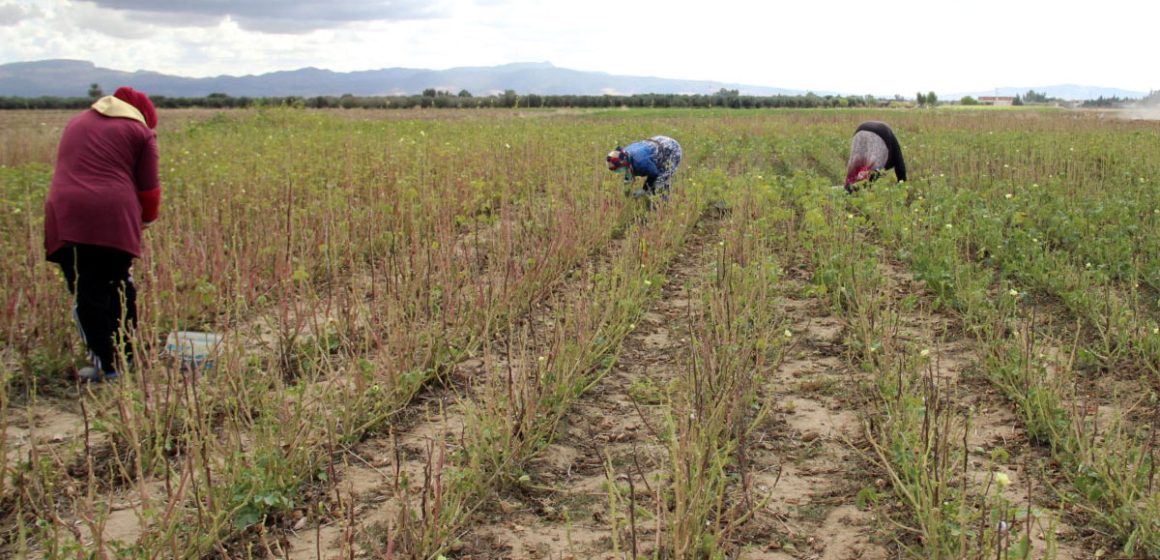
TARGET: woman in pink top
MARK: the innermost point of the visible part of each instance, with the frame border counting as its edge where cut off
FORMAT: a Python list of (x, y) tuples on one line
[(105, 191)]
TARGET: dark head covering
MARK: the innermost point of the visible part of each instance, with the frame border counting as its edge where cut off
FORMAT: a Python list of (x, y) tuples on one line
[(140, 101), (894, 161)]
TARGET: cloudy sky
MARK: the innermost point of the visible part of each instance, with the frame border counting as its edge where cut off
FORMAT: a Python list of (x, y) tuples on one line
[(882, 47)]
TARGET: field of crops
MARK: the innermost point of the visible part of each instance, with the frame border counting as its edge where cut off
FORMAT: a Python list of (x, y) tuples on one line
[(449, 334)]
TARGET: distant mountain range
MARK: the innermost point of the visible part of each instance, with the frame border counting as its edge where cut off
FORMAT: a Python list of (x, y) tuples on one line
[(71, 78)]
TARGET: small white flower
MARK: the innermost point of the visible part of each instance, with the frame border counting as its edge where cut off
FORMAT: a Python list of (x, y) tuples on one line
[(949, 226), (1013, 292), (1002, 480), (925, 352), (542, 358), (1155, 330), (1009, 196), (648, 283), (788, 333), (849, 216), (1087, 265)]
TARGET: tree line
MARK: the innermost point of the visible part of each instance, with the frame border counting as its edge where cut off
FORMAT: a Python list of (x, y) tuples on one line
[(465, 100)]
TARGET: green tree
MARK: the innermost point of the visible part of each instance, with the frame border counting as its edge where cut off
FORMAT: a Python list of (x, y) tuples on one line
[(1033, 96), (464, 93), (931, 99), (968, 100), (1018, 101), (509, 98), (920, 98), (429, 92), (95, 91)]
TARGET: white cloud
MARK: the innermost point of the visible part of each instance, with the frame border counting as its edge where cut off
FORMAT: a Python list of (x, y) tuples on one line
[(83, 16), (12, 13), (271, 16), (847, 46)]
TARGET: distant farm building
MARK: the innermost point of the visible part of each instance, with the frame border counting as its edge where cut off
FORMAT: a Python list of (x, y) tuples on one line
[(995, 100)]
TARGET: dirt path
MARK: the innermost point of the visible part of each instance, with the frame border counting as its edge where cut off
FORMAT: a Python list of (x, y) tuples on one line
[(1005, 471), (611, 437), (805, 462)]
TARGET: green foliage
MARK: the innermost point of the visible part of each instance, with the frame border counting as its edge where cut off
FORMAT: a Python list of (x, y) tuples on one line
[(263, 487), (361, 260)]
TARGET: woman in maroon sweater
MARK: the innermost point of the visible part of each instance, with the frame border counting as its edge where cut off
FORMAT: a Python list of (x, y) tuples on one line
[(105, 190)]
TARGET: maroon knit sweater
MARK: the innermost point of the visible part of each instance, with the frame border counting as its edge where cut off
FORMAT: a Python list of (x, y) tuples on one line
[(104, 184)]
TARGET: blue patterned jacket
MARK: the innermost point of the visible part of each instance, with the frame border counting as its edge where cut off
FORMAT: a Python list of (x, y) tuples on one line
[(642, 158)]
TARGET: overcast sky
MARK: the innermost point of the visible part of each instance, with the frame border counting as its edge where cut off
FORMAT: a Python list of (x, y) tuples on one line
[(880, 47)]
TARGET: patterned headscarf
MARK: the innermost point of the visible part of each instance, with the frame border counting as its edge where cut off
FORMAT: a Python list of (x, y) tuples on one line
[(616, 159)]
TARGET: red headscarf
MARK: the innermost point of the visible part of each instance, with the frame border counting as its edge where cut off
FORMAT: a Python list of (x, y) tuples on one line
[(140, 101)]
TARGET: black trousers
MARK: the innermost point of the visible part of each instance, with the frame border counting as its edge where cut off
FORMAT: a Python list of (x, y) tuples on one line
[(105, 299)]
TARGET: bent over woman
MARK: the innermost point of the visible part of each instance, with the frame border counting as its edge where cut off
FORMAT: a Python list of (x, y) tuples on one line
[(656, 159), (105, 191), (873, 149)]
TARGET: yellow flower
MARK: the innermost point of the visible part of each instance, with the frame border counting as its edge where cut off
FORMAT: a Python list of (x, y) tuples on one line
[(1002, 480)]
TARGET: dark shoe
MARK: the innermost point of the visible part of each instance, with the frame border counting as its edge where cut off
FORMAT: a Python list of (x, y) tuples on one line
[(90, 374)]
